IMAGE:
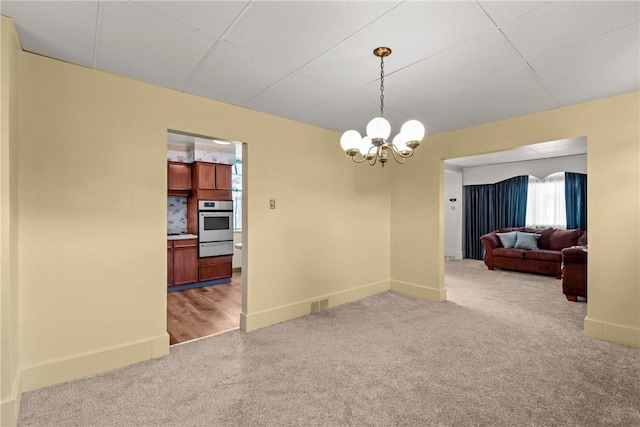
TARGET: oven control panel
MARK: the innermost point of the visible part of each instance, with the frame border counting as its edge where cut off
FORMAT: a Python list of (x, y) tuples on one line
[(213, 205)]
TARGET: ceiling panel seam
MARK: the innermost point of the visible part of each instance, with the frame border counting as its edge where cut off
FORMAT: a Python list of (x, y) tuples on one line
[(533, 71), (213, 47), (97, 36), (168, 18), (347, 38)]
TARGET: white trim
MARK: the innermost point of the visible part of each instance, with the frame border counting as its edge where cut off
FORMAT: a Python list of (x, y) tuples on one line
[(419, 291), (10, 407), (283, 313), (612, 332), (66, 369)]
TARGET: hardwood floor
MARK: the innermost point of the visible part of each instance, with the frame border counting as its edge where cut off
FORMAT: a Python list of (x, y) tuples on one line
[(200, 312)]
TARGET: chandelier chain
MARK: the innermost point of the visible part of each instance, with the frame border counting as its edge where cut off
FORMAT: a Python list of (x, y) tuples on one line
[(381, 86)]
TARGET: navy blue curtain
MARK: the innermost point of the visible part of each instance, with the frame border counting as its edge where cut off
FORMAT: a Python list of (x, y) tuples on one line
[(575, 193), (511, 202), (479, 202), (492, 206)]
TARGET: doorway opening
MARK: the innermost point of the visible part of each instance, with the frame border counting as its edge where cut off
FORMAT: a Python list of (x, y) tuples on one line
[(204, 202), (540, 162)]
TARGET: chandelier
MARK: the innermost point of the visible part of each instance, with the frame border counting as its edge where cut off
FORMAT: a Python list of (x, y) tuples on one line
[(374, 146)]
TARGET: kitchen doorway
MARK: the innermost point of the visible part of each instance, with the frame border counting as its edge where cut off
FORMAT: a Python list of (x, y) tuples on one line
[(207, 298), (202, 312)]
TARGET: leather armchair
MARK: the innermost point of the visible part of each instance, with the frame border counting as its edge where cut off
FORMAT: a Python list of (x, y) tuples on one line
[(574, 273)]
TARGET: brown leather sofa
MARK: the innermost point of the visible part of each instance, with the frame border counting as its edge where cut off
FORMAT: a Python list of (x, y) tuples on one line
[(574, 273), (547, 259)]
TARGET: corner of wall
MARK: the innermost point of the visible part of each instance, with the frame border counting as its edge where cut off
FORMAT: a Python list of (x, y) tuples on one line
[(418, 291), (618, 334), (10, 407), (11, 379), (283, 313)]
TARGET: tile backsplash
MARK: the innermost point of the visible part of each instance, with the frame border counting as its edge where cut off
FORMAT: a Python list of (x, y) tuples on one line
[(180, 153), (215, 153), (202, 152), (176, 214)]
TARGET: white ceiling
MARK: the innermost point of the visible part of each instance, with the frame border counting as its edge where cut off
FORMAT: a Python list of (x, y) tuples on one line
[(543, 150), (454, 63)]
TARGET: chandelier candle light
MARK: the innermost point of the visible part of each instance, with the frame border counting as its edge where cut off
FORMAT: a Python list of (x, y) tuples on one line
[(373, 147)]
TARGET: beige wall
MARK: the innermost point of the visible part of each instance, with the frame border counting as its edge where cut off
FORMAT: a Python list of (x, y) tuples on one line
[(93, 217), (612, 126), (92, 205), (9, 342)]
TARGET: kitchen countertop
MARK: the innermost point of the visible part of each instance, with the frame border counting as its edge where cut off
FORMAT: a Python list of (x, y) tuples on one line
[(182, 237)]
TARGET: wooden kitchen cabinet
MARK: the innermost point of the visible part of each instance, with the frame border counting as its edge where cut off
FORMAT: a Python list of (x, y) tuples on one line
[(211, 268), (184, 264), (204, 176), (223, 177), (178, 178), (211, 181), (169, 262)]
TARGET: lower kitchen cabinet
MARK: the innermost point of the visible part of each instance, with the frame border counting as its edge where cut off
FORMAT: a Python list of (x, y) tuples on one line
[(169, 262), (217, 267), (184, 266)]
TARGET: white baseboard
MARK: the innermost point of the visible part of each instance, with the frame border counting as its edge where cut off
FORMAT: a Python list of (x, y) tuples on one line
[(283, 313), (418, 291), (10, 407), (612, 332), (58, 371)]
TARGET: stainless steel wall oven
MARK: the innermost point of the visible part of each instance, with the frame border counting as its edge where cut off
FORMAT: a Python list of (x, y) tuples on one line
[(215, 228)]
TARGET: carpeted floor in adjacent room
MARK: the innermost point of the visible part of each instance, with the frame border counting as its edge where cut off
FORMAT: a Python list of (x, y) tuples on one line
[(507, 349)]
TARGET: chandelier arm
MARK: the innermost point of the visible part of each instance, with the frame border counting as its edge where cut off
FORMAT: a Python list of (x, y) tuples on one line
[(406, 156), (397, 156), (374, 158), (358, 161), (399, 153)]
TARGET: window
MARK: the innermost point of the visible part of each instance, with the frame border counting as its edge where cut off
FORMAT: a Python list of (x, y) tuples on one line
[(236, 191), (546, 205)]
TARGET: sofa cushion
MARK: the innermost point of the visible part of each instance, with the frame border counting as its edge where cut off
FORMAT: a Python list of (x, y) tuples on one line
[(508, 229), (543, 241), (544, 255), (508, 240), (526, 240), (582, 238), (508, 253), (560, 239)]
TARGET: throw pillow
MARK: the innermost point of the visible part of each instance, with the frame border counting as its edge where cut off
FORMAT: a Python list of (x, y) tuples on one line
[(527, 241), (508, 240), (560, 239), (543, 241)]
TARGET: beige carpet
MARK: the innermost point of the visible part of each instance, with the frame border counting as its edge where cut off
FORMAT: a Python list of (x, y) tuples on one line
[(507, 349)]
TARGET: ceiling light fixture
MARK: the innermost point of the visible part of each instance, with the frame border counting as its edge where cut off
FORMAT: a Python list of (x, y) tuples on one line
[(373, 147)]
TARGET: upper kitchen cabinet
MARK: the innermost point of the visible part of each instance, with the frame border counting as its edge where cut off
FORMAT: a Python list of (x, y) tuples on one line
[(204, 176), (212, 181), (178, 179), (223, 177)]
